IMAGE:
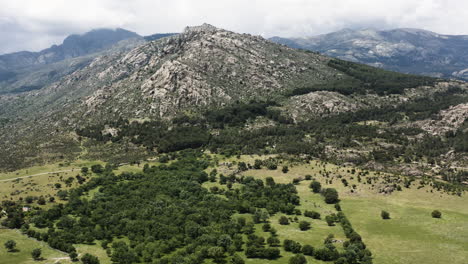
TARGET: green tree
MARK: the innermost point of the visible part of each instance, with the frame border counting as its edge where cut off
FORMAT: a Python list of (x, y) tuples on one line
[(304, 225), (97, 168), (315, 186), (331, 196), (258, 164), (36, 254), (298, 259), (436, 214), (285, 169), (242, 166), (283, 220), (385, 214), (236, 259), (10, 245), (73, 256), (308, 250), (84, 170), (90, 259)]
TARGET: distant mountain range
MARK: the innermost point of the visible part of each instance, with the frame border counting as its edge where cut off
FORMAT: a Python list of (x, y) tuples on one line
[(26, 71), (404, 50), (207, 79)]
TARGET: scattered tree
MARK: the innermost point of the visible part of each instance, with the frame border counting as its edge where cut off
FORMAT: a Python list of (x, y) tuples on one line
[(36, 254), (436, 214), (10, 245), (385, 215)]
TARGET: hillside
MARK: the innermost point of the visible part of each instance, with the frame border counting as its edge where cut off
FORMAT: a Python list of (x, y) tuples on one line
[(213, 78), (211, 146), (403, 50)]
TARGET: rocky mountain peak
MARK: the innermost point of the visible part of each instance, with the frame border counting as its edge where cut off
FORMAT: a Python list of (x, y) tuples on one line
[(204, 28)]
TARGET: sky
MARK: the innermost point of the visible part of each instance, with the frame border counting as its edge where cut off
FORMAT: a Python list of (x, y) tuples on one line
[(37, 24)]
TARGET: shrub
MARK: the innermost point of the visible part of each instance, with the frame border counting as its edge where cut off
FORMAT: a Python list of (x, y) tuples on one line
[(308, 250), (436, 214), (89, 259), (292, 246), (298, 259), (10, 245), (283, 220), (315, 186), (385, 215), (312, 214), (36, 254), (304, 225)]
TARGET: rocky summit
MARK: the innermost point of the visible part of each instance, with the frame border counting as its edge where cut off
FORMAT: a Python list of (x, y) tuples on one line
[(206, 75)]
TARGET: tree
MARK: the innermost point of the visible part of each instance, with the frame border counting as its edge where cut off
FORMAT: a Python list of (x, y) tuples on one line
[(385, 215), (10, 245), (73, 256), (269, 181), (41, 200), (89, 259), (436, 214), (298, 259), (308, 250), (292, 246), (242, 166), (273, 241), (236, 259), (338, 207), (304, 225), (84, 170), (285, 169), (331, 196), (330, 220), (97, 168), (315, 186), (258, 164), (36, 254), (283, 220)]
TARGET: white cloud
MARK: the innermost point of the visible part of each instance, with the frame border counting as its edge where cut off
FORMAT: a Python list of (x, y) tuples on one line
[(34, 24)]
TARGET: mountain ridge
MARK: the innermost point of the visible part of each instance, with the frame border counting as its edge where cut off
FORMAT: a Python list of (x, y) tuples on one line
[(406, 50)]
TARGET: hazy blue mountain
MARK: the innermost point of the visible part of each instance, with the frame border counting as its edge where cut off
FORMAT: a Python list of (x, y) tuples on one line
[(158, 36), (404, 50), (73, 46), (25, 71)]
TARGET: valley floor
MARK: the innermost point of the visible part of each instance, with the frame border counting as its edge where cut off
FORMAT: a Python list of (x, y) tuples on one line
[(410, 236)]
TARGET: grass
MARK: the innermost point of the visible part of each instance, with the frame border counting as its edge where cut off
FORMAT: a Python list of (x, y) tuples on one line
[(25, 245), (410, 236)]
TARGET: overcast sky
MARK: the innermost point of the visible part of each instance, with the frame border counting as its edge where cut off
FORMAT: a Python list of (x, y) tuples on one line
[(36, 24)]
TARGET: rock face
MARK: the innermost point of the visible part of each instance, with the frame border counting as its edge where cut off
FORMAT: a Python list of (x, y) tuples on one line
[(201, 67), (404, 50)]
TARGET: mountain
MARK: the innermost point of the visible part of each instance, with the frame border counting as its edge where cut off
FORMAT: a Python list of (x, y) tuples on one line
[(405, 50), (26, 71), (73, 46), (158, 36), (235, 93)]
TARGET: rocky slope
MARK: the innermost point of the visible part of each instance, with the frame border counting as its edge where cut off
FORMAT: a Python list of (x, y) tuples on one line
[(404, 50), (202, 69)]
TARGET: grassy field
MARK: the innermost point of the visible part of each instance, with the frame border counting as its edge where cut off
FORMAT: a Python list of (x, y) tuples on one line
[(25, 245), (410, 236)]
